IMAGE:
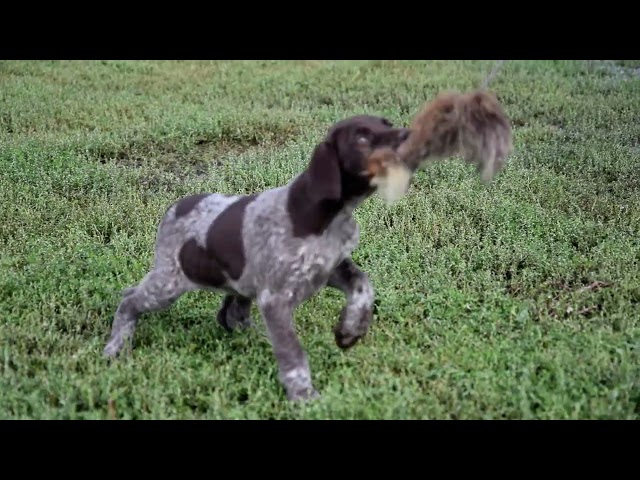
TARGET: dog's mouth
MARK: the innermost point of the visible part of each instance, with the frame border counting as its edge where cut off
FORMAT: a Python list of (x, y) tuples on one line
[(388, 174)]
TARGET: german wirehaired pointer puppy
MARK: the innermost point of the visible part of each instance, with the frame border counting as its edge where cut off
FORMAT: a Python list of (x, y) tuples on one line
[(277, 248)]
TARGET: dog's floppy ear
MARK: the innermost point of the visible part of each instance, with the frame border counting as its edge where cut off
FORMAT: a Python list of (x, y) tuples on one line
[(324, 179)]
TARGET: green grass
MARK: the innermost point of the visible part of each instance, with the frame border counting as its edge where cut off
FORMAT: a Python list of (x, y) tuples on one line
[(516, 300)]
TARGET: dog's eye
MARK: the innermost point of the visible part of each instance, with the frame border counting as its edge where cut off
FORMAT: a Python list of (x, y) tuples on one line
[(363, 136)]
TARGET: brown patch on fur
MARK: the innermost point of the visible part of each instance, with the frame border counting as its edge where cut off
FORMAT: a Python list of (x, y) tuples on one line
[(186, 204), (224, 252), (200, 266), (224, 238), (472, 125)]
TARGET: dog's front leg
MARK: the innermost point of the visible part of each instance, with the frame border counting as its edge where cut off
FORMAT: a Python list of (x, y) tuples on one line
[(356, 316), (294, 374)]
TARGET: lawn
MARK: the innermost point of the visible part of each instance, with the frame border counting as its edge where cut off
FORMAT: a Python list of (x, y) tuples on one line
[(516, 300)]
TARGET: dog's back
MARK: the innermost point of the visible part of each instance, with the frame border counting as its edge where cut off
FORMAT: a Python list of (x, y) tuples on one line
[(238, 242), (200, 237), (190, 217)]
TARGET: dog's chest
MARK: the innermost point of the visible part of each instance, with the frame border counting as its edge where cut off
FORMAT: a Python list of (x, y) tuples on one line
[(278, 259), (318, 256)]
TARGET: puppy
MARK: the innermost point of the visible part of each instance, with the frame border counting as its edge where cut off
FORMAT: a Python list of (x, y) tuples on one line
[(277, 248)]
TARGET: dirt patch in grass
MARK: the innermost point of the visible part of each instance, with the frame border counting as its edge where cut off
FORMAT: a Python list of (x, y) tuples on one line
[(197, 160), (197, 156), (564, 298)]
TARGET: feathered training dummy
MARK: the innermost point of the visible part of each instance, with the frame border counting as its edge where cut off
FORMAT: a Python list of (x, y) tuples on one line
[(471, 125)]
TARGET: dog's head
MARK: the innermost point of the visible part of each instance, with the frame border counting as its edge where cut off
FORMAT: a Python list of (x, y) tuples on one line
[(352, 158)]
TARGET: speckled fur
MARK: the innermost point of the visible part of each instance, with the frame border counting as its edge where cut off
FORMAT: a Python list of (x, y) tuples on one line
[(282, 268)]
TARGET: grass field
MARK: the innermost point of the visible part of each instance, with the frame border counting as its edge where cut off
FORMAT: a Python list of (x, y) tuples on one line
[(517, 300)]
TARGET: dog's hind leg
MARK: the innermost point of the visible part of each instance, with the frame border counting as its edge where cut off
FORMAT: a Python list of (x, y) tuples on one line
[(356, 316), (158, 290)]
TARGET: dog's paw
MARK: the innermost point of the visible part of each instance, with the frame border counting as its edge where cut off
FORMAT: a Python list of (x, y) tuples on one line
[(230, 324), (345, 340), (353, 326), (303, 395), (234, 315), (111, 351)]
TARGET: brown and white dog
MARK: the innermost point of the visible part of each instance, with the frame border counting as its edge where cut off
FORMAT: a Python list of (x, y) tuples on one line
[(281, 246), (277, 248)]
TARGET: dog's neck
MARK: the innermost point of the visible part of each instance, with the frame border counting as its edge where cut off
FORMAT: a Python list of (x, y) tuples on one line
[(311, 216)]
